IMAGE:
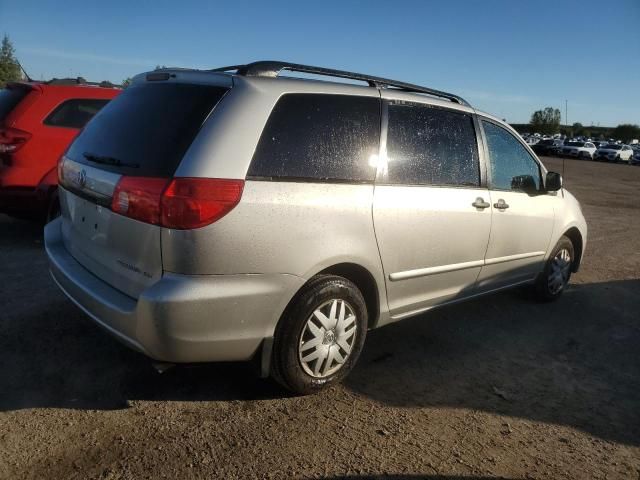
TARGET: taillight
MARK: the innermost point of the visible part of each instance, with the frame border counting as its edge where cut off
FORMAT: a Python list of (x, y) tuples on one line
[(180, 203), (12, 139), (196, 202), (139, 198), (61, 170)]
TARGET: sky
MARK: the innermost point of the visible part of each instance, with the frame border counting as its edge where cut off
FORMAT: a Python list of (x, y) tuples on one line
[(508, 58)]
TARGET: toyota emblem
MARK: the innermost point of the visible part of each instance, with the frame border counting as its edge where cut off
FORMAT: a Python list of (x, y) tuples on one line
[(81, 180)]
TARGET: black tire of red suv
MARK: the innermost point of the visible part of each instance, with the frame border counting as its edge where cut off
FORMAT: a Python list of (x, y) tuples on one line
[(53, 208), (543, 287), (286, 364)]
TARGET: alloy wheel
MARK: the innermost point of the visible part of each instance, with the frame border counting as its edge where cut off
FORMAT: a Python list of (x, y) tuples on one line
[(560, 271)]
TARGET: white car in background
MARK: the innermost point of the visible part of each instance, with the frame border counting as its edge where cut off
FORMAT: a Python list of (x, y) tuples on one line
[(614, 153), (579, 150)]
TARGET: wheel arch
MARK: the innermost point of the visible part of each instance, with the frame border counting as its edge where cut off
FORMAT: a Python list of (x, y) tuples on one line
[(575, 236), (360, 276), (366, 283)]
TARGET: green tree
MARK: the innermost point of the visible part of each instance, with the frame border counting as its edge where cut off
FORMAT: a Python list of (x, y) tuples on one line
[(9, 66), (626, 132), (546, 121), (578, 129), (126, 82)]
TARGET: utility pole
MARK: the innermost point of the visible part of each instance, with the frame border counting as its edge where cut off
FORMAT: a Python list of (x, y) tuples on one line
[(566, 119)]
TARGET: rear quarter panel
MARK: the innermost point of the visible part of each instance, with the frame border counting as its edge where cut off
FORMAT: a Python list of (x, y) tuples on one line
[(283, 227)]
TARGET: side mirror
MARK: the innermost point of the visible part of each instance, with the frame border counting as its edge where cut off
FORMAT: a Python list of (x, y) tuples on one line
[(553, 182), (524, 183)]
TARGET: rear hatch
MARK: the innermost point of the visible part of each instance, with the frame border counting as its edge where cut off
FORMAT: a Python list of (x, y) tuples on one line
[(137, 140)]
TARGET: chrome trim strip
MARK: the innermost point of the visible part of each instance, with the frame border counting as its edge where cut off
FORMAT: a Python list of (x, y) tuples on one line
[(89, 180), (509, 258), (423, 272)]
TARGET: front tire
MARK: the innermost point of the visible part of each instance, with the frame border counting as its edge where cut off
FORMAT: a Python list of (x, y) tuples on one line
[(557, 271), (320, 336)]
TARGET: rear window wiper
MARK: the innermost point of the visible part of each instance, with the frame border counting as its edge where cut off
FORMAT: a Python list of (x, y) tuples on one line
[(105, 160)]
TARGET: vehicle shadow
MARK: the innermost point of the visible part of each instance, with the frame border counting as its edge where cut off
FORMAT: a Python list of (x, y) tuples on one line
[(414, 477), (573, 362)]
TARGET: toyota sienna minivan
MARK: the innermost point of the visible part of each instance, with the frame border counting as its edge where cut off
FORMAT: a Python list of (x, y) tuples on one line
[(238, 214)]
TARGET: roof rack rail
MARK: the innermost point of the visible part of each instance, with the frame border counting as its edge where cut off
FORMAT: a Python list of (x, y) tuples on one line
[(81, 81), (273, 68)]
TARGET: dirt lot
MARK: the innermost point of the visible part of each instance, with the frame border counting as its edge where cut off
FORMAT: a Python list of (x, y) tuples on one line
[(498, 387)]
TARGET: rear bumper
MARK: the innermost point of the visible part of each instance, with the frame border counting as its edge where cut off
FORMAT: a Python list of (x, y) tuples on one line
[(181, 318)]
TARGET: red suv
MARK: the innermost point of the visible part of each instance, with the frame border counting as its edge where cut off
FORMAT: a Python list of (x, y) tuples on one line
[(38, 120)]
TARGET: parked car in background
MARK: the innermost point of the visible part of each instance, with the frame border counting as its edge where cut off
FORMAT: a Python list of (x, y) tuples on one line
[(635, 159), (235, 214), (547, 147), (613, 152), (557, 149), (38, 120), (579, 149)]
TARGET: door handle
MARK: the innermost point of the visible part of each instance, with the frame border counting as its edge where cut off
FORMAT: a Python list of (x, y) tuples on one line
[(501, 205), (480, 203)]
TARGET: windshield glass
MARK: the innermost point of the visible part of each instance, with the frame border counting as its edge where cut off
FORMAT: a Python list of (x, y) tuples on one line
[(612, 147)]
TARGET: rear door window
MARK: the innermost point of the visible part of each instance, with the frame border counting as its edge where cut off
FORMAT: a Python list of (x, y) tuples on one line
[(319, 137), (9, 98), (74, 113), (146, 130), (431, 146)]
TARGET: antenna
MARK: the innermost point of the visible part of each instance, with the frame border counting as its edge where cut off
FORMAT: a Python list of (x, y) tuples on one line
[(24, 71)]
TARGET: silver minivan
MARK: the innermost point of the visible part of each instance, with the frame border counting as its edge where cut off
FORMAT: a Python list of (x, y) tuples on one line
[(239, 214)]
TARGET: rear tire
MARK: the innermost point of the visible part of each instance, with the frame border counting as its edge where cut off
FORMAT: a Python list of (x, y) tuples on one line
[(557, 271), (320, 336)]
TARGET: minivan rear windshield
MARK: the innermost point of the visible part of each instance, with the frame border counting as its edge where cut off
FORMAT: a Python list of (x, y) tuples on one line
[(9, 98), (146, 130)]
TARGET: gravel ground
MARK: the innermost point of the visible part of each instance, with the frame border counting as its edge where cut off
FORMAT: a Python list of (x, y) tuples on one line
[(499, 387)]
